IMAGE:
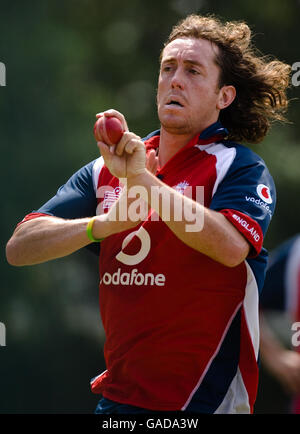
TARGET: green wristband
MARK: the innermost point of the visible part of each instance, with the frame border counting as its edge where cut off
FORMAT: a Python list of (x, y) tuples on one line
[(89, 231)]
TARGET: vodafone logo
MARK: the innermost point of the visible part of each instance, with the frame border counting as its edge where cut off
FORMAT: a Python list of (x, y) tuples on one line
[(264, 193), (144, 237), (134, 277)]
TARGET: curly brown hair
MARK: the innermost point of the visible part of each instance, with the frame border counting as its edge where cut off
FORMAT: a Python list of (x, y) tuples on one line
[(260, 83)]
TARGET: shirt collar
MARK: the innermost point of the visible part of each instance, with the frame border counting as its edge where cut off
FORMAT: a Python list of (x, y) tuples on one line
[(215, 129), (214, 132)]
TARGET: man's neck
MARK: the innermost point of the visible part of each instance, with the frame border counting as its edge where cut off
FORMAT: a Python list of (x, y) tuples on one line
[(170, 144)]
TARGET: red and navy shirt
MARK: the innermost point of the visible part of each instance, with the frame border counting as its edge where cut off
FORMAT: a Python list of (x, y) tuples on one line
[(181, 329)]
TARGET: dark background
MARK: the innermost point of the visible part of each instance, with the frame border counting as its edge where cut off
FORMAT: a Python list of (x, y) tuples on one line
[(65, 61)]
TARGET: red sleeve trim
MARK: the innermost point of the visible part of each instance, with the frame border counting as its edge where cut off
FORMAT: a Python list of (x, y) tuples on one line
[(248, 227), (31, 216)]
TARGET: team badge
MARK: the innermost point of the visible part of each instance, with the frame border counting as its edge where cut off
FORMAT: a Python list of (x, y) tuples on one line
[(111, 196), (181, 186)]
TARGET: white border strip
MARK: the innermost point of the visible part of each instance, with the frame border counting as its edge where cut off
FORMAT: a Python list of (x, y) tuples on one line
[(225, 157), (96, 378), (251, 309), (99, 163)]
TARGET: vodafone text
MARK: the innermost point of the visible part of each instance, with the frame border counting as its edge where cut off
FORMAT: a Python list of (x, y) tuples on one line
[(133, 206), (259, 202), (133, 278)]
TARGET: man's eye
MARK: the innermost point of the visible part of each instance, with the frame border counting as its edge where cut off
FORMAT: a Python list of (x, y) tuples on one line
[(193, 71)]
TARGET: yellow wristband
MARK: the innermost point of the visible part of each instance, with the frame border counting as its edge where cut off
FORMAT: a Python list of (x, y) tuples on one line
[(89, 231)]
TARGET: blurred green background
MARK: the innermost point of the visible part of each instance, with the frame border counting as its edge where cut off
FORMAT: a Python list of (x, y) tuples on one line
[(65, 61)]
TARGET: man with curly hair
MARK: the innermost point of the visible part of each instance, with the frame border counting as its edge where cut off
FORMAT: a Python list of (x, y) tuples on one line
[(179, 289)]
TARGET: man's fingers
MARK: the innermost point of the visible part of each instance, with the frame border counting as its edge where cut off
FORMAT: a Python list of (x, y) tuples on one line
[(115, 113), (152, 161), (128, 143), (132, 146), (104, 150), (125, 140)]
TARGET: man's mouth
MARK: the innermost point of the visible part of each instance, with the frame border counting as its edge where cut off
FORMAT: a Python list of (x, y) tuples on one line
[(174, 102)]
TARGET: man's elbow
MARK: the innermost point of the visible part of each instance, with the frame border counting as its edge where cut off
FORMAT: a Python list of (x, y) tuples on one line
[(12, 253), (236, 255)]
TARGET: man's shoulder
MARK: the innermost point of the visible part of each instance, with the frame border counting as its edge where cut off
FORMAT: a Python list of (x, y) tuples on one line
[(86, 177), (247, 159), (244, 153), (89, 167)]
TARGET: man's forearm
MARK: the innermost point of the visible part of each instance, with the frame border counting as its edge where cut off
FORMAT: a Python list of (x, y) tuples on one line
[(46, 238), (216, 238)]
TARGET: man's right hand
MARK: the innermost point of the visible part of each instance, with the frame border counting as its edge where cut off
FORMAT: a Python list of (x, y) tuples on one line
[(126, 159)]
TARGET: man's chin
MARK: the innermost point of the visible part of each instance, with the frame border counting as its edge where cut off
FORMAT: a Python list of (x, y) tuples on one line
[(174, 123), (175, 128)]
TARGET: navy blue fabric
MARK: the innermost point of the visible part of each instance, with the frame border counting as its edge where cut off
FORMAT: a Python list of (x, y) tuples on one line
[(273, 296), (76, 198), (246, 172), (106, 406), (238, 192), (220, 373), (214, 129)]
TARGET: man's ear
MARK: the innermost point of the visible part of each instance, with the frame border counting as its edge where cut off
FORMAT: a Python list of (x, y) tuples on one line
[(226, 96)]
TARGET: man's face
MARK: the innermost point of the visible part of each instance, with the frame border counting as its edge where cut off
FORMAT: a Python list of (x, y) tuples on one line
[(188, 94)]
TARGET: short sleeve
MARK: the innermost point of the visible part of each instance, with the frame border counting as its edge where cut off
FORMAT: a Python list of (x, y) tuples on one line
[(247, 197), (74, 199)]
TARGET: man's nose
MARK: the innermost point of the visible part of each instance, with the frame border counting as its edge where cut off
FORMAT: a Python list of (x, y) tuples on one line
[(177, 79)]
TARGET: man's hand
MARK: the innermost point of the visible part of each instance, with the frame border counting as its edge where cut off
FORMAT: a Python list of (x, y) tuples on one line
[(126, 159), (283, 363), (288, 370)]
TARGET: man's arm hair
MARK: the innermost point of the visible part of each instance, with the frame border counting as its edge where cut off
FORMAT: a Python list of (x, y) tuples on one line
[(46, 238)]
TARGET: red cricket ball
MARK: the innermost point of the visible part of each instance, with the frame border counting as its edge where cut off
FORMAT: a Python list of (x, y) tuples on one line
[(108, 130)]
